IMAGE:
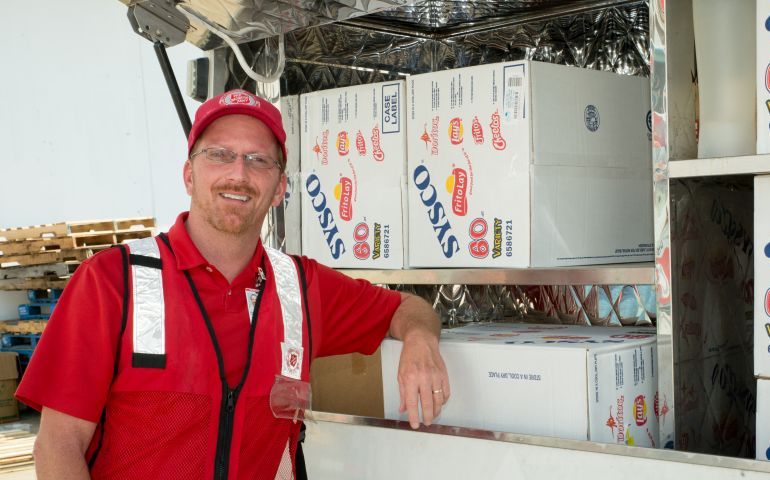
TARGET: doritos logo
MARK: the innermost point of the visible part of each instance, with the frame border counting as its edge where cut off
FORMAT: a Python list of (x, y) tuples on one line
[(344, 193), (456, 131), (434, 136), (477, 132), (239, 97), (457, 185), (640, 411), (497, 138), (360, 143), (322, 150), (377, 152), (343, 143)]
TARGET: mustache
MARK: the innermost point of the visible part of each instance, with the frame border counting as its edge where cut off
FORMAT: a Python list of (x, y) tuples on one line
[(235, 188)]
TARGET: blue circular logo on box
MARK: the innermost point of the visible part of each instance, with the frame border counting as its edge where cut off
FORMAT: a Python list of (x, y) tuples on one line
[(767, 453), (591, 117), (649, 121)]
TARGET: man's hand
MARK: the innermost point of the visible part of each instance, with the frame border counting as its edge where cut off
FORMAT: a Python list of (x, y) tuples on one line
[(422, 375)]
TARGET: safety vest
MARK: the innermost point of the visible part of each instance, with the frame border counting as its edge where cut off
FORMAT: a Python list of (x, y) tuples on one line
[(170, 412)]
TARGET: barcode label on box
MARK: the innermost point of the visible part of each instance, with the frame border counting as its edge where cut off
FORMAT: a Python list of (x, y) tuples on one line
[(513, 96)]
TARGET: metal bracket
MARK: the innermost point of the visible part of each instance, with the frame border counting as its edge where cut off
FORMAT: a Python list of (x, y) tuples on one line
[(158, 21)]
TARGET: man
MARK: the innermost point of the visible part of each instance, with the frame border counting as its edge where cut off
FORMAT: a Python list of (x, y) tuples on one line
[(157, 363)]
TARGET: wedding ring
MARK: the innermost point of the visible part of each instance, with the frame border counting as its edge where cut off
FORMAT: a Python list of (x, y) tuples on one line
[(438, 391)]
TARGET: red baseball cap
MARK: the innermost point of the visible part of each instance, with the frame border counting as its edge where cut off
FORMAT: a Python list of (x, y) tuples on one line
[(238, 102)]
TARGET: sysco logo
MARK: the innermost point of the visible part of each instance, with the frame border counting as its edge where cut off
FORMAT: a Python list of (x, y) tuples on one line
[(325, 216), (436, 212)]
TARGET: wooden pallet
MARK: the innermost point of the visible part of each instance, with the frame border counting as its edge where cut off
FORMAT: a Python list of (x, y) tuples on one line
[(56, 270), (80, 240), (13, 284), (64, 229), (23, 326), (43, 258), (16, 449)]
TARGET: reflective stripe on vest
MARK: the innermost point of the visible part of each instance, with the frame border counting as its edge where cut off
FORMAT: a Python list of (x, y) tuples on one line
[(287, 283), (149, 335), (149, 312)]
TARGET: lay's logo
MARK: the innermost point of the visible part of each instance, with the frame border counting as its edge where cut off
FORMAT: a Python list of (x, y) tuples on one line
[(343, 143), (640, 411), (457, 185), (360, 144), (456, 131), (343, 192), (477, 132), (497, 138), (377, 152)]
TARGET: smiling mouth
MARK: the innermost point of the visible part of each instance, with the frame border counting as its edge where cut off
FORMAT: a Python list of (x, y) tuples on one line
[(232, 196)]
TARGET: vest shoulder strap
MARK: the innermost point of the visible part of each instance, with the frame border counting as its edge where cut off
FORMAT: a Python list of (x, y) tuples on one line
[(149, 311)]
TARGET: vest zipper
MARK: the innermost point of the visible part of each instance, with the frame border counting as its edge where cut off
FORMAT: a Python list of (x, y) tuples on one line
[(225, 439)]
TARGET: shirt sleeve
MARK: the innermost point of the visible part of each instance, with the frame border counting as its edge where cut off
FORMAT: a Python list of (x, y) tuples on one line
[(72, 367), (354, 314)]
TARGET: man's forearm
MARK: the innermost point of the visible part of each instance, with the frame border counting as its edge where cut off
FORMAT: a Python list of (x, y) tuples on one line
[(59, 462), (414, 315)]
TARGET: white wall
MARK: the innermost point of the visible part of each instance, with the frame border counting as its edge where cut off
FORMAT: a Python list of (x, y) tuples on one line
[(87, 126)]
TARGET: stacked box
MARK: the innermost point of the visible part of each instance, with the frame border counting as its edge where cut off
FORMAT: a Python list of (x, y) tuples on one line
[(584, 383), (528, 164), (763, 419), (9, 374), (291, 203), (762, 276), (353, 160), (763, 77)]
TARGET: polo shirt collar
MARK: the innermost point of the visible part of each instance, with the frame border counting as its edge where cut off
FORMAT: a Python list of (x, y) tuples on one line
[(187, 254)]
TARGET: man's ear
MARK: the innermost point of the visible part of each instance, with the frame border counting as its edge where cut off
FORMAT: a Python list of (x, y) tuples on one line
[(188, 177), (280, 190)]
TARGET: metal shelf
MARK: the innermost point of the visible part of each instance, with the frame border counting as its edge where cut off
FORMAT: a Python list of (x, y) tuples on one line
[(705, 167), (621, 274)]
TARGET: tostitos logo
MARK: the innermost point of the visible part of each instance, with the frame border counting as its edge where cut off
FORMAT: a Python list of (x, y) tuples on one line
[(456, 131), (640, 411), (497, 137), (377, 152), (477, 132), (239, 97), (360, 143), (343, 192), (343, 143), (457, 185)]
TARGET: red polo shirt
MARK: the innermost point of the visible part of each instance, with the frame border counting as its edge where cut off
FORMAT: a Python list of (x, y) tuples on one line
[(71, 370)]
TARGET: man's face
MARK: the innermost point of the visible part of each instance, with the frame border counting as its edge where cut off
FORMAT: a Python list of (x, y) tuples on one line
[(234, 198)]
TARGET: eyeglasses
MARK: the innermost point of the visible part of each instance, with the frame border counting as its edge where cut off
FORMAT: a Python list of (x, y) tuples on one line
[(223, 156)]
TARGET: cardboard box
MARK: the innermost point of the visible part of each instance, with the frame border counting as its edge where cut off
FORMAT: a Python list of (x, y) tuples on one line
[(9, 375), (349, 384), (528, 164), (353, 160), (762, 276), (292, 203), (584, 383), (763, 419), (763, 78)]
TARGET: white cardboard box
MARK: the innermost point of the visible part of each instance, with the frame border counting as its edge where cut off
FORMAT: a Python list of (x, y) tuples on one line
[(763, 419), (585, 383), (528, 164), (762, 276), (291, 203), (353, 160), (763, 77)]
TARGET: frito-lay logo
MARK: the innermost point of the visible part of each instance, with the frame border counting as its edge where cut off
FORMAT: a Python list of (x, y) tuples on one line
[(322, 150), (457, 185), (325, 216), (239, 97), (435, 210), (456, 131), (497, 138), (343, 192), (360, 143), (640, 411), (477, 132), (377, 152), (343, 143)]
